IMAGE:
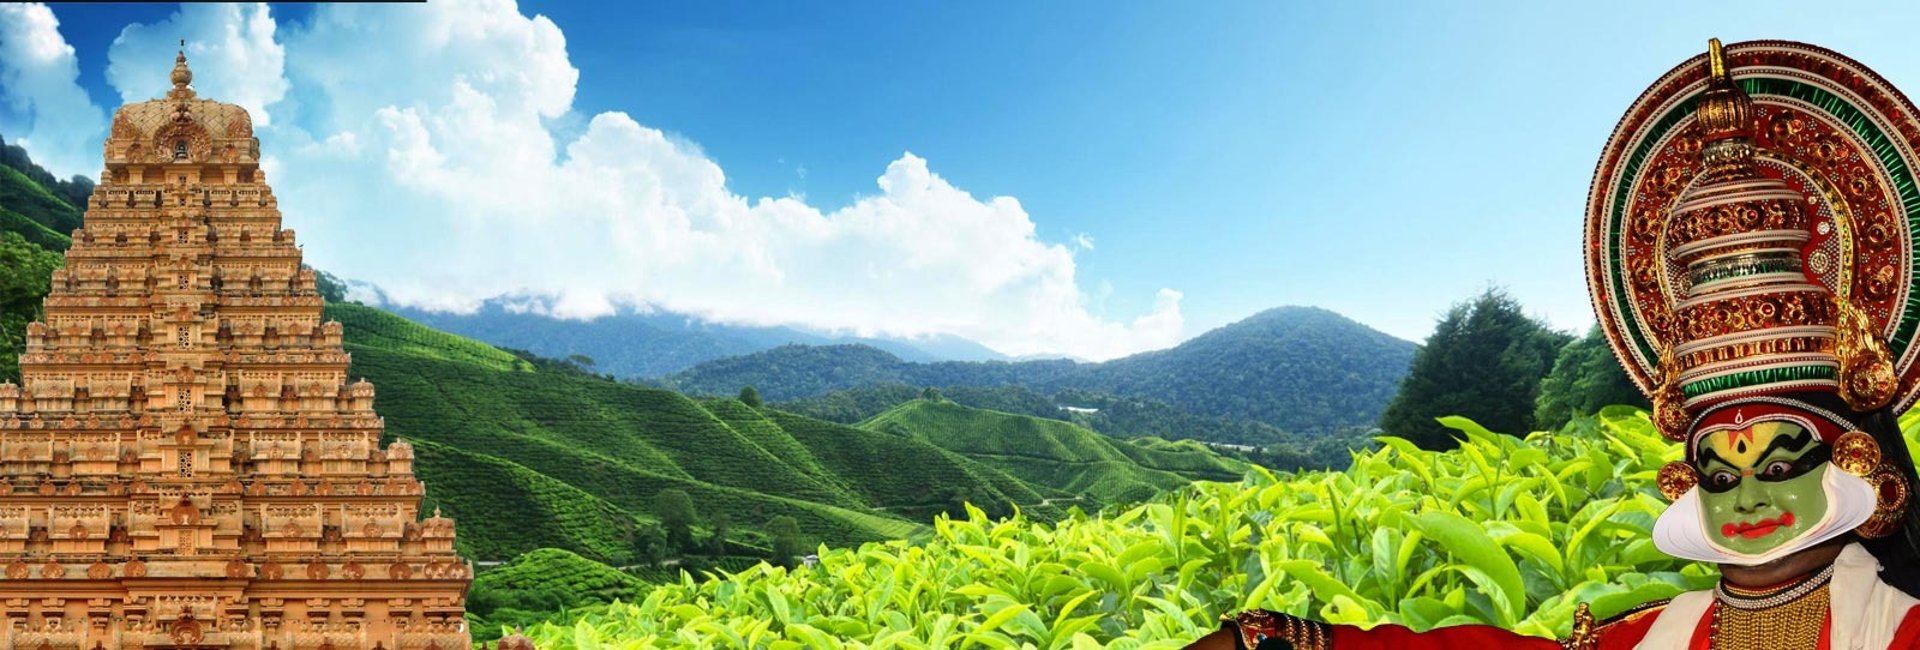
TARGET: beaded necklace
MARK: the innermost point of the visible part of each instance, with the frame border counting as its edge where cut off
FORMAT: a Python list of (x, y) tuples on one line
[(1786, 617)]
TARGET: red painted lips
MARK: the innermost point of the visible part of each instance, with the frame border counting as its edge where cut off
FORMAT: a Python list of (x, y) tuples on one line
[(1757, 529)]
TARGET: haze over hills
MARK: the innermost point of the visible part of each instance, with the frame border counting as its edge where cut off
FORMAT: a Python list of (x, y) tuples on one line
[(644, 345), (1301, 369)]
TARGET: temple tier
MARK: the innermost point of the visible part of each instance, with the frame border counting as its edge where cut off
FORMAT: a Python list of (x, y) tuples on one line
[(185, 463)]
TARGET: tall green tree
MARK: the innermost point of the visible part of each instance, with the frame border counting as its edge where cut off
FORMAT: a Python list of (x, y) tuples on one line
[(749, 396), (26, 275), (675, 510), (650, 545), (788, 546), (1585, 377), (717, 542), (1484, 361)]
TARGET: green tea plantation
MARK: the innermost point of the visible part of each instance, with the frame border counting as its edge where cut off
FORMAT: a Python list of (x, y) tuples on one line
[(1508, 531)]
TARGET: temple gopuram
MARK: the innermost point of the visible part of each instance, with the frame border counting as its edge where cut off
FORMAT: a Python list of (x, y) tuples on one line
[(185, 464)]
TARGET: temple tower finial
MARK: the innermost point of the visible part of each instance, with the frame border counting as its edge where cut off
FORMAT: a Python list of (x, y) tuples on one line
[(182, 75)]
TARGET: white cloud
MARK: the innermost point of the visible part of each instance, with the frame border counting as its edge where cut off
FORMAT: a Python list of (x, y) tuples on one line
[(413, 149), (231, 48), (47, 111)]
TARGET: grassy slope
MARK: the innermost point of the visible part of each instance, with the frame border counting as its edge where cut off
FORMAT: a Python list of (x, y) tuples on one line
[(1055, 454), (579, 579), (535, 585), (580, 458), (619, 443), (25, 197), (546, 512), (34, 231), (908, 476), (367, 327)]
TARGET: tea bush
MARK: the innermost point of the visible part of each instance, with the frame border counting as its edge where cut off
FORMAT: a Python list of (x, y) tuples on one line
[(1507, 531)]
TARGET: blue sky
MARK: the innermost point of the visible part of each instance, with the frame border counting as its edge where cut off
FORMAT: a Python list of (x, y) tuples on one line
[(1383, 160)]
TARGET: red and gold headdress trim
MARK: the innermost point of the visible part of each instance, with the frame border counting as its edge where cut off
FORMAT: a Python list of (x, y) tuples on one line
[(1749, 233)]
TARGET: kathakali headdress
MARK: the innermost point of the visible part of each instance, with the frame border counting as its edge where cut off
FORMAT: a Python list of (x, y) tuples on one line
[(1750, 251)]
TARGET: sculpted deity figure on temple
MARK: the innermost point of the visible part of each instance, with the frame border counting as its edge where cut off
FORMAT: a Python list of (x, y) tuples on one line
[(1751, 237)]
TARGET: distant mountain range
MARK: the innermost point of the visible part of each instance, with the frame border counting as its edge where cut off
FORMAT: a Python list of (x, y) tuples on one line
[(1301, 369), (651, 344)]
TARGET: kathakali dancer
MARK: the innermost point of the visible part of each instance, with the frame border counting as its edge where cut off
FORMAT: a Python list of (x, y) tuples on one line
[(1751, 235)]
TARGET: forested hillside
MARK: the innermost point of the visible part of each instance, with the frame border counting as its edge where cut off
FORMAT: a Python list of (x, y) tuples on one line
[(73, 191), (581, 457), (35, 223), (578, 458), (1298, 369)]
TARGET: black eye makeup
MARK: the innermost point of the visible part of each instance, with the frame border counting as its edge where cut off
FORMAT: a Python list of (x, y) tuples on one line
[(1722, 477), (1798, 466)]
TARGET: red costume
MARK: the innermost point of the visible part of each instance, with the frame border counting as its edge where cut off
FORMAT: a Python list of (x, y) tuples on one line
[(1874, 616)]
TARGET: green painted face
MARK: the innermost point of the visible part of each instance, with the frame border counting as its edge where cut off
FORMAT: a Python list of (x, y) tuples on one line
[(1761, 486)]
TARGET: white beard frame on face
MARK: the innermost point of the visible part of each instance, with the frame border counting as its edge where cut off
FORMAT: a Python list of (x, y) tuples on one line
[(1682, 532)]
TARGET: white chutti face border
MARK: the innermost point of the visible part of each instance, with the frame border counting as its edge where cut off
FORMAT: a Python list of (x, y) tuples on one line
[(1682, 532)]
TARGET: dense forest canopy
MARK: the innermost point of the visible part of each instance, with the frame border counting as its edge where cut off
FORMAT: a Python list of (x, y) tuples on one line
[(37, 213), (26, 273), (1586, 377), (1484, 361)]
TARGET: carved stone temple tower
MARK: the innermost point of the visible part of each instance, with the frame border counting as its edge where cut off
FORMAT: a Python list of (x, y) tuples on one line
[(185, 464)]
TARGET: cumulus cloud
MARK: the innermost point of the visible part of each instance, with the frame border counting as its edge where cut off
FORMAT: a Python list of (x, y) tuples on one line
[(46, 110), (410, 146), (234, 56)]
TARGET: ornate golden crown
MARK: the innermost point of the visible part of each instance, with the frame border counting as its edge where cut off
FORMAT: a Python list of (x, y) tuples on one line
[(1750, 232)]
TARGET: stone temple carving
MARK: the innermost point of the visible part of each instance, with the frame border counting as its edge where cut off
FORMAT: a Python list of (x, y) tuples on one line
[(185, 464)]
